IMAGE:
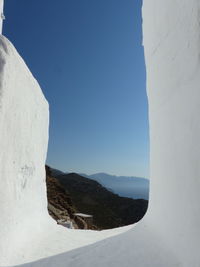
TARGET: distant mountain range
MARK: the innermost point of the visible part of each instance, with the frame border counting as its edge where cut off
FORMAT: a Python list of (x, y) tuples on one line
[(125, 186), (133, 187), (94, 194), (109, 210)]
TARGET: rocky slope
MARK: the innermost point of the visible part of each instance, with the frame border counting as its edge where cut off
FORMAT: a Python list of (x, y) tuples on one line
[(60, 205), (108, 209)]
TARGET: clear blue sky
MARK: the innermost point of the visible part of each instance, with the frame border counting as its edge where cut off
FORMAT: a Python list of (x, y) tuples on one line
[(88, 59)]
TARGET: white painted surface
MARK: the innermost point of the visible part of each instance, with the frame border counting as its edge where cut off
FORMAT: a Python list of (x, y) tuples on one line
[(23, 142), (83, 215), (172, 52)]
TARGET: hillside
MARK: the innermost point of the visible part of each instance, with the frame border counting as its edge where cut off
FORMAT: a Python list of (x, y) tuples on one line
[(108, 209), (60, 205), (125, 186)]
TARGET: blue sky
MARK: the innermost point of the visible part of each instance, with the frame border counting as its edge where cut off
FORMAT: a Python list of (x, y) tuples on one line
[(87, 57)]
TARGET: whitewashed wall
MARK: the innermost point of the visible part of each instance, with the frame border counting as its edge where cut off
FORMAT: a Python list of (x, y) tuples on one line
[(172, 52), (23, 146)]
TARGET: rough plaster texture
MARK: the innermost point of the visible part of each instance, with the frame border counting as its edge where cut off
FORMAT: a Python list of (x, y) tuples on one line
[(23, 137), (172, 53)]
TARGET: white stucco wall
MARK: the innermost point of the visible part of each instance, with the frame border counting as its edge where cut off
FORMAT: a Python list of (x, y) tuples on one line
[(172, 53), (23, 146)]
